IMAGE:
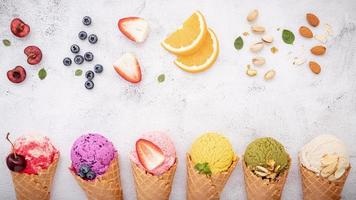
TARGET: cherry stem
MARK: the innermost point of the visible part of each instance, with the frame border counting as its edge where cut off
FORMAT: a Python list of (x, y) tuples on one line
[(13, 147)]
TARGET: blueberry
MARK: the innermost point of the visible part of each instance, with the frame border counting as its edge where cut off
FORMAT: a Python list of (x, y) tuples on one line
[(67, 61), (91, 175), (89, 75), (92, 38), (74, 48), (78, 59), (82, 35), (88, 56), (84, 168), (86, 20), (89, 84), (81, 174), (98, 68)]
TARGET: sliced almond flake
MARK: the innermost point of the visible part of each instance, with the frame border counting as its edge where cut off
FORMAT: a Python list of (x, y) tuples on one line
[(299, 60), (329, 30), (321, 38)]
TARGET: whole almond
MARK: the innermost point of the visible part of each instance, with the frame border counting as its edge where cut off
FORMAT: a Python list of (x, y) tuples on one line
[(252, 15), (312, 19), (318, 50), (314, 67), (258, 29), (258, 61), (256, 47), (305, 32)]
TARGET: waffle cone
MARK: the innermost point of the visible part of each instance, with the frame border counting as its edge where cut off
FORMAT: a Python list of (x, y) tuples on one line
[(259, 189), (35, 186), (150, 187), (201, 186), (318, 188), (104, 187)]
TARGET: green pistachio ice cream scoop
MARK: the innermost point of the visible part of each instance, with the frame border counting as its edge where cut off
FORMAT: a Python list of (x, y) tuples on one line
[(264, 152)]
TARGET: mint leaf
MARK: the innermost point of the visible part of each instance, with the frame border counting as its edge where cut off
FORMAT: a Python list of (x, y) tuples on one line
[(288, 36), (203, 168), (161, 78), (6, 42), (239, 43), (42, 74), (78, 72)]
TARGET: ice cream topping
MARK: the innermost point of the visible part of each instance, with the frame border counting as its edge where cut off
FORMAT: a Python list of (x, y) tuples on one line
[(325, 155), (214, 151), (154, 152), (38, 151), (93, 150), (266, 157)]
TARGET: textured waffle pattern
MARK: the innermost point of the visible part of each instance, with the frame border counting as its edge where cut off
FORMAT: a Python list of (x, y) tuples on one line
[(202, 187), (150, 187), (318, 188), (35, 187), (258, 189), (104, 187)]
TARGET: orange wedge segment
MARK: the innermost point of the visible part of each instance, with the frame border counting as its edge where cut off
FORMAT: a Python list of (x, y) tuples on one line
[(202, 59), (188, 38)]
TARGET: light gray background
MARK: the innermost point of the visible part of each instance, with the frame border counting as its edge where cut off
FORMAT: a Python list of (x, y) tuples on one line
[(296, 106)]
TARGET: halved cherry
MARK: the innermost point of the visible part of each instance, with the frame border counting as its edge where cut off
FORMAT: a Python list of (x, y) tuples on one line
[(17, 75), (34, 55), (19, 28), (149, 154)]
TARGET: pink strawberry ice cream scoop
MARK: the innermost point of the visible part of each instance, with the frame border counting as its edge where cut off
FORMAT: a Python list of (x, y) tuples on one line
[(93, 150), (38, 151), (162, 141)]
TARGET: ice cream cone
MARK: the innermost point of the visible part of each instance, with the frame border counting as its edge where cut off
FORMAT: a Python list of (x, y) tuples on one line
[(201, 186), (106, 186), (259, 189), (35, 186), (318, 188), (151, 187)]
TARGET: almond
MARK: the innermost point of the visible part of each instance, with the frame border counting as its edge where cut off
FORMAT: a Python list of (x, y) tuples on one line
[(252, 15), (305, 32), (318, 50), (314, 67), (312, 19)]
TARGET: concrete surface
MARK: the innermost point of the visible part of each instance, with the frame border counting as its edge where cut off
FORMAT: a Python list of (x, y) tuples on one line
[(294, 107)]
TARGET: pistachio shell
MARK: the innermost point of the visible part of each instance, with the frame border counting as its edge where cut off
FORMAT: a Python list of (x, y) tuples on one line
[(258, 29), (267, 38), (258, 61), (256, 47), (252, 15)]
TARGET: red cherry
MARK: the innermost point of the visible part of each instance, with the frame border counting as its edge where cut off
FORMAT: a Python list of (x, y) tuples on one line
[(34, 55), (19, 28), (15, 162), (17, 75)]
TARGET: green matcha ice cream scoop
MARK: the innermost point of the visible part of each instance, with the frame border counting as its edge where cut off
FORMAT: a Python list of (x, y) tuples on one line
[(263, 151)]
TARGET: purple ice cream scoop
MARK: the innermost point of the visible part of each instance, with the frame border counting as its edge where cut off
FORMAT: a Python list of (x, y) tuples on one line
[(93, 150)]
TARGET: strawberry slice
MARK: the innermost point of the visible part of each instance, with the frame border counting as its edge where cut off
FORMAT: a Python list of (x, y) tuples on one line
[(149, 154), (128, 68), (134, 28)]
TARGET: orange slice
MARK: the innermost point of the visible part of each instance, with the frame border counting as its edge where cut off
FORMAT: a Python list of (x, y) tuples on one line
[(202, 59), (189, 37)]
